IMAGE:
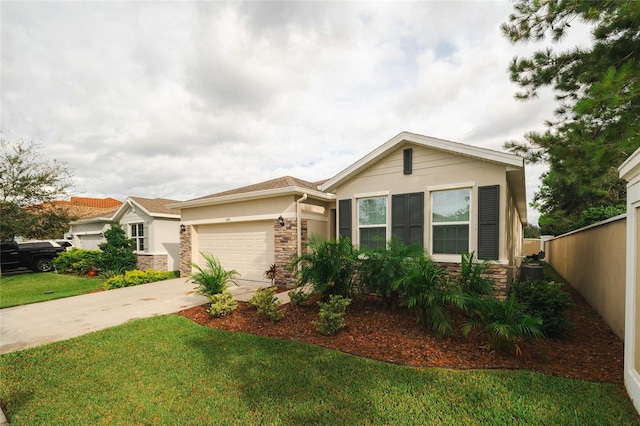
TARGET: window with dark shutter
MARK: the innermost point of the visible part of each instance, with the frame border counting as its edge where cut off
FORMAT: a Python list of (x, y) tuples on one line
[(408, 161), (407, 217), (488, 222), (344, 218)]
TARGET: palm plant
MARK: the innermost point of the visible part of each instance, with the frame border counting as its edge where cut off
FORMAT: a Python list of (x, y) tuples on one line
[(426, 288), (505, 322), (329, 266), (212, 278), (381, 267), (473, 280)]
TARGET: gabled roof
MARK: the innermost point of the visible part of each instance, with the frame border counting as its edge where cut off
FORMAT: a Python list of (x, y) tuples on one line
[(514, 163), (269, 188), (402, 138), (154, 207)]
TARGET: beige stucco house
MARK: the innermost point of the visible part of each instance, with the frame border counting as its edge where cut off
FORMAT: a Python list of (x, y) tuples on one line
[(153, 226), (449, 197), (251, 228)]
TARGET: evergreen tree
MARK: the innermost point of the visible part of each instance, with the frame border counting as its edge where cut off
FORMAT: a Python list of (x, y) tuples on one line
[(117, 254), (598, 93)]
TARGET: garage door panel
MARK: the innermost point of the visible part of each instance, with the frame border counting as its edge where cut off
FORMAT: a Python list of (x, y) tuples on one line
[(246, 247)]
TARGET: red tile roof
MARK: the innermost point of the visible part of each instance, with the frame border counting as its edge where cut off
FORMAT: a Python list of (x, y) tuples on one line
[(101, 203)]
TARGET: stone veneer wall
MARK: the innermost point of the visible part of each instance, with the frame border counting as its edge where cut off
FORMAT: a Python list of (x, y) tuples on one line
[(286, 249), (497, 273), (159, 262), (185, 252)]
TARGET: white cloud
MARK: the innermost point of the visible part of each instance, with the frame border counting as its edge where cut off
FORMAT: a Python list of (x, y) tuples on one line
[(183, 99)]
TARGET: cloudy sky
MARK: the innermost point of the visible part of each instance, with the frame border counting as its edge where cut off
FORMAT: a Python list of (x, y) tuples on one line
[(183, 99)]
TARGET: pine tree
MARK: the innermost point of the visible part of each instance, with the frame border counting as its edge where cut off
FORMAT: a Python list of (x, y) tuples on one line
[(597, 88)]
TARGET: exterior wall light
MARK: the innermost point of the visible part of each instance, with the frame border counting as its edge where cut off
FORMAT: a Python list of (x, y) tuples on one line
[(183, 228), (281, 221)]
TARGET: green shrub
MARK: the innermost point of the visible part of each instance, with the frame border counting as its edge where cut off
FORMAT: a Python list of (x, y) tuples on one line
[(77, 261), (212, 278), (329, 266), (331, 317), (267, 304), (426, 289), (546, 300), (117, 252), (299, 297), (504, 322), (136, 277), (222, 304)]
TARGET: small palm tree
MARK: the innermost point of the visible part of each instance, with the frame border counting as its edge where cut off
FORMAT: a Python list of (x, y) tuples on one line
[(473, 279), (213, 278), (426, 288), (329, 266), (381, 267), (505, 322)]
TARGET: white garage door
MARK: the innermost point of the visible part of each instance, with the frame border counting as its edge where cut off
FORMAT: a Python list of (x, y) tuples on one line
[(90, 242), (245, 247)]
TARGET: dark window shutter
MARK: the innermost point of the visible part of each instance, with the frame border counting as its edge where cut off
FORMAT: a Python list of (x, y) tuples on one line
[(415, 202), (344, 218), (399, 216), (407, 217), (408, 161), (488, 222)]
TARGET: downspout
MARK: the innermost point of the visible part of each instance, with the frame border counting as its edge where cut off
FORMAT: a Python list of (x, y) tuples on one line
[(299, 222)]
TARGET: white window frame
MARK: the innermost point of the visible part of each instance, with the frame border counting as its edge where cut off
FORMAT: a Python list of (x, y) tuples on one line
[(371, 195), (447, 257), (136, 239)]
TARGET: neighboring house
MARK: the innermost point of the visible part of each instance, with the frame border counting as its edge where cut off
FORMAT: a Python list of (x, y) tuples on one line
[(88, 232), (154, 228), (450, 197), (82, 207)]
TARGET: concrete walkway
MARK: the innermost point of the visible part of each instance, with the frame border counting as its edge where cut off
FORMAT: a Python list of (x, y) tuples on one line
[(36, 324)]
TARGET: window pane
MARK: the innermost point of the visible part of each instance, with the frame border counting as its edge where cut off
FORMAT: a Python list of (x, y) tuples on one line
[(451, 206), (373, 238), (133, 231), (450, 239), (140, 230), (372, 211), (141, 244)]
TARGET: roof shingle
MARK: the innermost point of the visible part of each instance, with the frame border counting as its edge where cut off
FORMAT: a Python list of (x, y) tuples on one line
[(157, 205), (281, 182)]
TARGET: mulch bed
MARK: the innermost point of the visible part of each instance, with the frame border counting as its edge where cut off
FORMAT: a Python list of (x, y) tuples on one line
[(588, 351)]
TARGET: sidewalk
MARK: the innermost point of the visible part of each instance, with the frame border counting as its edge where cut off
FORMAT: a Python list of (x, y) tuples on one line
[(27, 326)]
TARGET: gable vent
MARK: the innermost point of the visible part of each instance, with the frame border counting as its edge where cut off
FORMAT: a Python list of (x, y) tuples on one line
[(408, 161)]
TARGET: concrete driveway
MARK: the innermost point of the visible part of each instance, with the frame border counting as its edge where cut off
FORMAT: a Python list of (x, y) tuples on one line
[(31, 325)]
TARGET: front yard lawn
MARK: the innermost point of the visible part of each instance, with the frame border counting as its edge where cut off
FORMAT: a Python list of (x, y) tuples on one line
[(30, 287), (169, 370)]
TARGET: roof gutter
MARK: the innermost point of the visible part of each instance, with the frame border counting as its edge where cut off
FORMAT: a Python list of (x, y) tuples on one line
[(255, 195)]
